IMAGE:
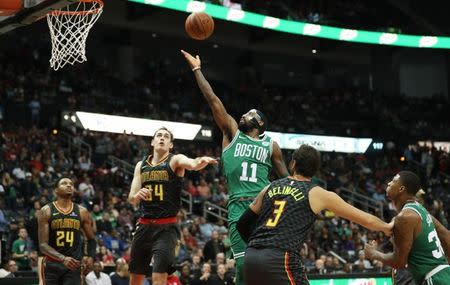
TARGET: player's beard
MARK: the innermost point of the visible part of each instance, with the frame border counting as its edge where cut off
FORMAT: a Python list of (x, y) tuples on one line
[(245, 127)]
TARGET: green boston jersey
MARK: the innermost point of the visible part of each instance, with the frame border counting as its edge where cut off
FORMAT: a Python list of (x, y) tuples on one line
[(247, 162), (426, 251)]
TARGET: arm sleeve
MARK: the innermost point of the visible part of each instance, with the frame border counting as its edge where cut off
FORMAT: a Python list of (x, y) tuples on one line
[(91, 247), (246, 224)]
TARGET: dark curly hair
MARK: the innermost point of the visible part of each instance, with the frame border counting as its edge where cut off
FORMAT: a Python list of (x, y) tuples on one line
[(307, 160), (56, 183)]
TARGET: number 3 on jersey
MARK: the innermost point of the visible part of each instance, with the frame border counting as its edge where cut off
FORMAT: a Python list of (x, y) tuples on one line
[(433, 237), (244, 176), (277, 211)]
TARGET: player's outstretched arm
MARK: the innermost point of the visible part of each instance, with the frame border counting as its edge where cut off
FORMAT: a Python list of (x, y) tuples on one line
[(180, 161), (278, 161), (321, 199), (136, 193), (404, 226), (444, 237), (43, 236), (224, 121)]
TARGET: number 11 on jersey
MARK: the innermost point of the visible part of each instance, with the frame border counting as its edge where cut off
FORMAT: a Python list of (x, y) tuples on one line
[(244, 176)]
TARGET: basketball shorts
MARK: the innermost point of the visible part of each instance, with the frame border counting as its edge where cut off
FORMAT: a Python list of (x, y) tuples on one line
[(440, 278), (238, 245), (402, 276), (270, 266), (56, 273), (235, 211), (153, 241)]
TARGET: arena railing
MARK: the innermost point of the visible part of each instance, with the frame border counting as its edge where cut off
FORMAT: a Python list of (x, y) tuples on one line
[(341, 259), (76, 143), (417, 167), (186, 198), (215, 210), (126, 167), (422, 170), (360, 200)]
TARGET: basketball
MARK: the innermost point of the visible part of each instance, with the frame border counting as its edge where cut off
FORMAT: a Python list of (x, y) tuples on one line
[(199, 26)]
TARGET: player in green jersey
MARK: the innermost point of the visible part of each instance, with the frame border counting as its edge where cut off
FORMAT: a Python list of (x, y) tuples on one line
[(420, 242), (247, 157)]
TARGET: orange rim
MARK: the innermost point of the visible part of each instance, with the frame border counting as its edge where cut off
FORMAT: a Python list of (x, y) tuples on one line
[(86, 12)]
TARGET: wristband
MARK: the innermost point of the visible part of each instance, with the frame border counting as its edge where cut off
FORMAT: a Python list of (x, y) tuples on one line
[(246, 224), (196, 68), (91, 247)]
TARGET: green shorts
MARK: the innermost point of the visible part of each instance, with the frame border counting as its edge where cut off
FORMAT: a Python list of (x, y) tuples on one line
[(235, 211), (238, 246), (440, 278)]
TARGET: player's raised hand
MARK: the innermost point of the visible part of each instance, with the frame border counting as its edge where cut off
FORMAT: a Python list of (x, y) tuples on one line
[(71, 263), (194, 62)]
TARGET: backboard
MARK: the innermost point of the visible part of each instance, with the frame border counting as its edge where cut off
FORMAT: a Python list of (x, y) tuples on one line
[(28, 12)]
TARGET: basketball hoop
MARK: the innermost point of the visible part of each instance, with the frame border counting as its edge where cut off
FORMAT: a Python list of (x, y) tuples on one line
[(69, 29)]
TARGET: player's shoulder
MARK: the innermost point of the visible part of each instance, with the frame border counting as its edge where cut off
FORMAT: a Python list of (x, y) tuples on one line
[(137, 168), (319, 188), (177, 156), (45, 211), (407, 215), (82, 208), (84, 213), (319, 193), (46, 207)]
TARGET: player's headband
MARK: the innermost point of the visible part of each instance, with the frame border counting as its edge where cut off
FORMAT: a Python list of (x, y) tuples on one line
[(261, 117)]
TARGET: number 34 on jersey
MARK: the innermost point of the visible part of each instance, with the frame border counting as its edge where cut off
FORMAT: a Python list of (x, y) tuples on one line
[(156, 192)]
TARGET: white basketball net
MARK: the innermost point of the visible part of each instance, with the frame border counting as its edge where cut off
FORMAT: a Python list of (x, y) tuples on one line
[(69, 29)]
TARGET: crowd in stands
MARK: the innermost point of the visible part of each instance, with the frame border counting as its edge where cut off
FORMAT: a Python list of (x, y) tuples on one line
[(32, 158), (30, 93)]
